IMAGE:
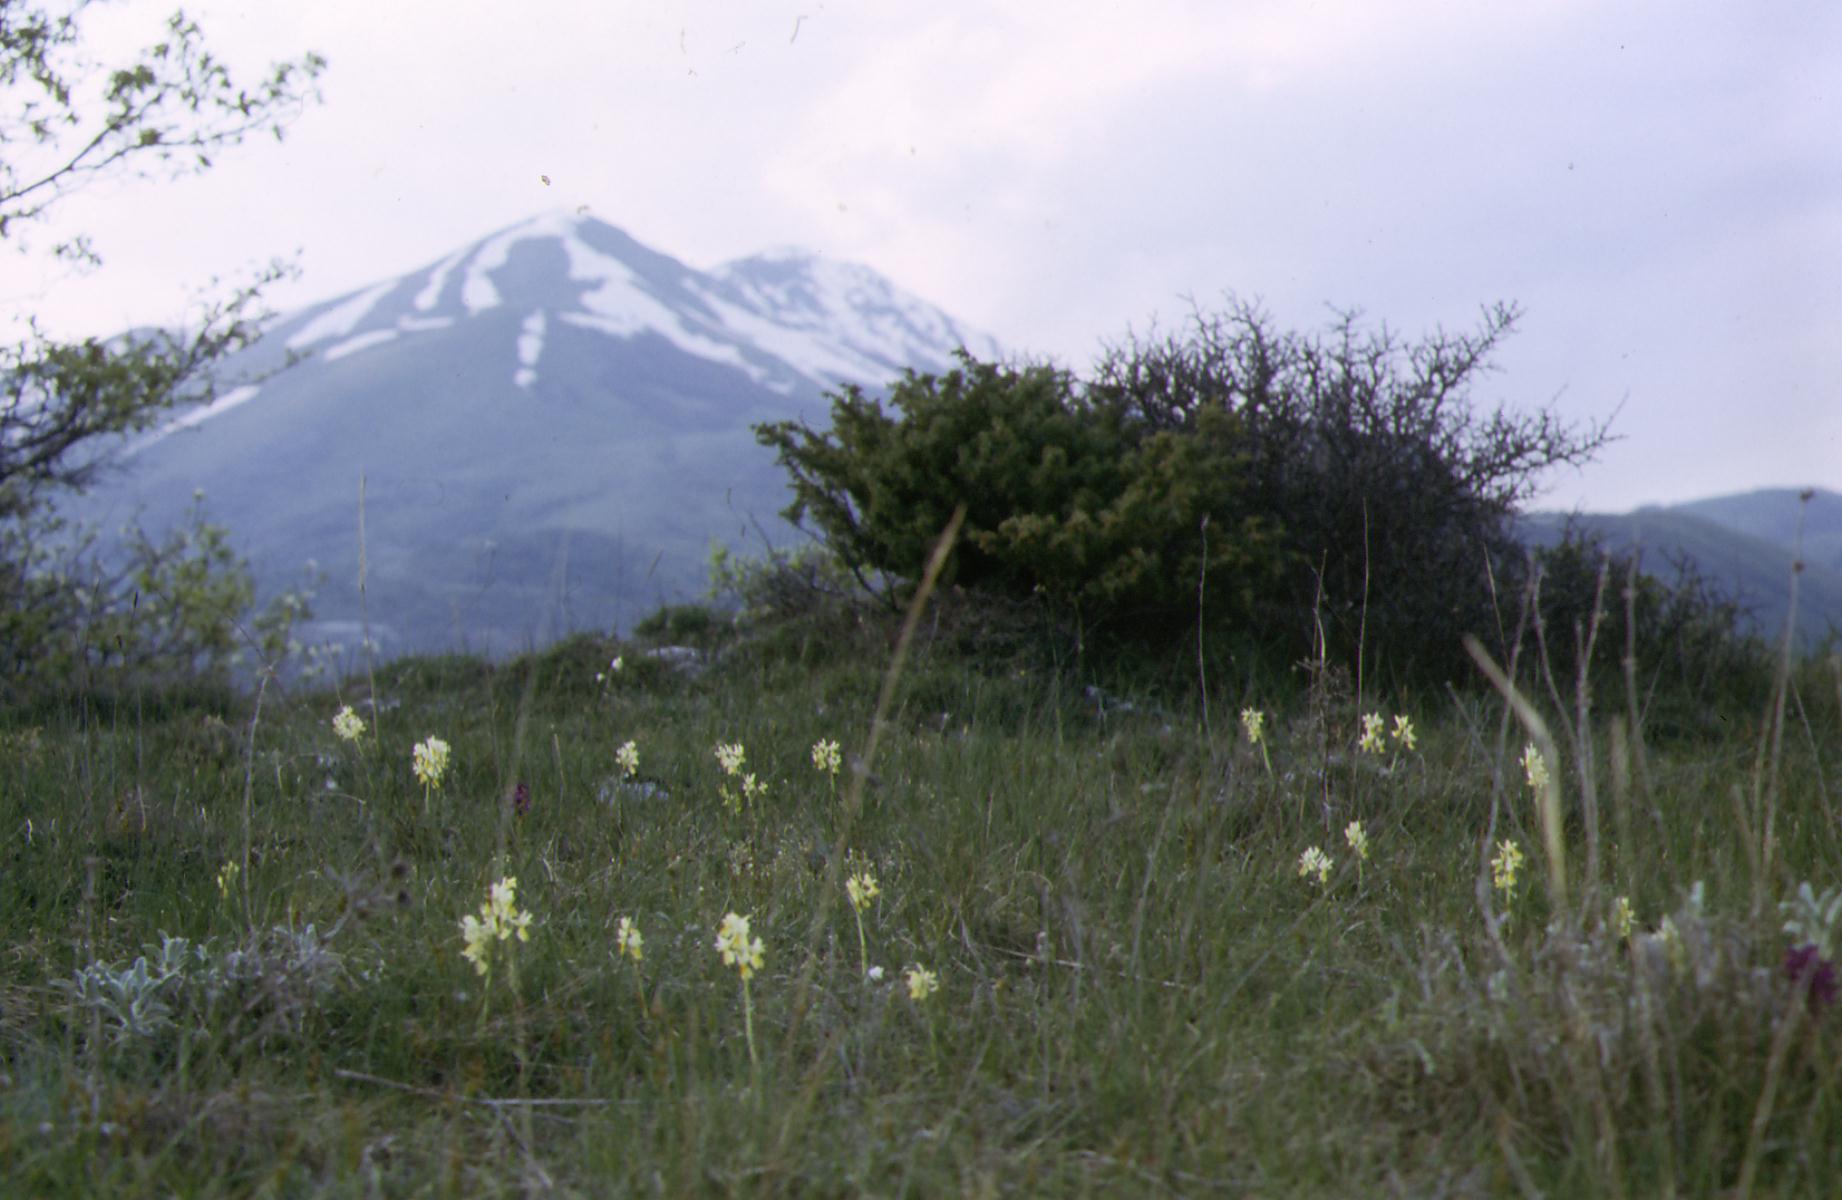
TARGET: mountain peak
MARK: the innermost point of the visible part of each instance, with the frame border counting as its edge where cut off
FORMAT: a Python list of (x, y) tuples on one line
[(786, 317), (551, 424)]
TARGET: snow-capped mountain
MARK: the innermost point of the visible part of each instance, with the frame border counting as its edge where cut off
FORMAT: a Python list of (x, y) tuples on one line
[(551, 426)]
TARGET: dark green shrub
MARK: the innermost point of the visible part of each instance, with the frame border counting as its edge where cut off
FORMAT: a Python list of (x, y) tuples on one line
[(696, 625), (1694, 661), (1070, 497), (178, 613), (783, 585), (1394, 494), (1305, 495)]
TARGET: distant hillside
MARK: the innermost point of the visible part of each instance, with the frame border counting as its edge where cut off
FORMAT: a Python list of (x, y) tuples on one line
[(1775, 515), (1744, 544)]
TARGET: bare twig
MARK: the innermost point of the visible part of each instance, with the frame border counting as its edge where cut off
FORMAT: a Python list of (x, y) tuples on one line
[(484, 1101)]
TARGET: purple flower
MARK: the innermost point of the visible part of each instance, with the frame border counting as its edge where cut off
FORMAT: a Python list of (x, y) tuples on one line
[(1801, 962), (521, 800)]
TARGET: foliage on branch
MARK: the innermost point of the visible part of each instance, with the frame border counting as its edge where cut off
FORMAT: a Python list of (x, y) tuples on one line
[(153, 613), (69, 121), (160, 608)]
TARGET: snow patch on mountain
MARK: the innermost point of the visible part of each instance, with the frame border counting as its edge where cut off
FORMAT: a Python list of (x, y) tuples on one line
[(340, 318), (626, 326), (362, 341), (850, 310), (478, 292), (530, 347), (223, 403), (430, 295), (797, 348)]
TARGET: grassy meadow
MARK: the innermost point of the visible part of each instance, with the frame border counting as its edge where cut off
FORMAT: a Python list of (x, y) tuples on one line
[(1165, 958)]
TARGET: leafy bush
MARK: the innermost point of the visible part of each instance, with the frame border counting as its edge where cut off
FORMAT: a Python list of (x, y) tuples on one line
[(695, 625), (1070, 497), (1394, 493), (781, 586), (1692, 658), (1330, 496), (179, 611), (65, 407)]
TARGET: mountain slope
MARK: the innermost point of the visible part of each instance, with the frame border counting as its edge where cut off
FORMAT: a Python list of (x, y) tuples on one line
[(1744, 544), (550, 426), (1784, 518)]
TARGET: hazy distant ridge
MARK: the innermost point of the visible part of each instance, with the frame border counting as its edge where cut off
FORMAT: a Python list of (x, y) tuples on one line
[(1746, 543)]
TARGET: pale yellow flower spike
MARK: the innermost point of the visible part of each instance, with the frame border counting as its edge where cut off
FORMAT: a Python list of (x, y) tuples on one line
[(1403, 732), (1371, 742), (745, 954), (1314, 862), (1534, 767), (922, 983), (862, 889), (628, 758), (825, 756), (348, 724), (628, 938), (738, 949), (1506, 866), (430, 759), (1253, 724), (499, 920), (1624, 917), (477, 939)]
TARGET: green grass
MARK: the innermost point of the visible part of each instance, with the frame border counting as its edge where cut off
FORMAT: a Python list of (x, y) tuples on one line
[(1138, 992)]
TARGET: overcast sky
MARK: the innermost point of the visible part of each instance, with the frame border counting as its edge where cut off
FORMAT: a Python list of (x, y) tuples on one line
[(1658, 184)]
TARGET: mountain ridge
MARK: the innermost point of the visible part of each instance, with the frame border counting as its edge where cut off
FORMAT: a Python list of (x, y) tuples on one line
[(550, 425), (1747, 544)]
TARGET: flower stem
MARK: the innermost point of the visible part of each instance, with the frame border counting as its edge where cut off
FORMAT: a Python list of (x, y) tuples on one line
[(748, 1023)]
